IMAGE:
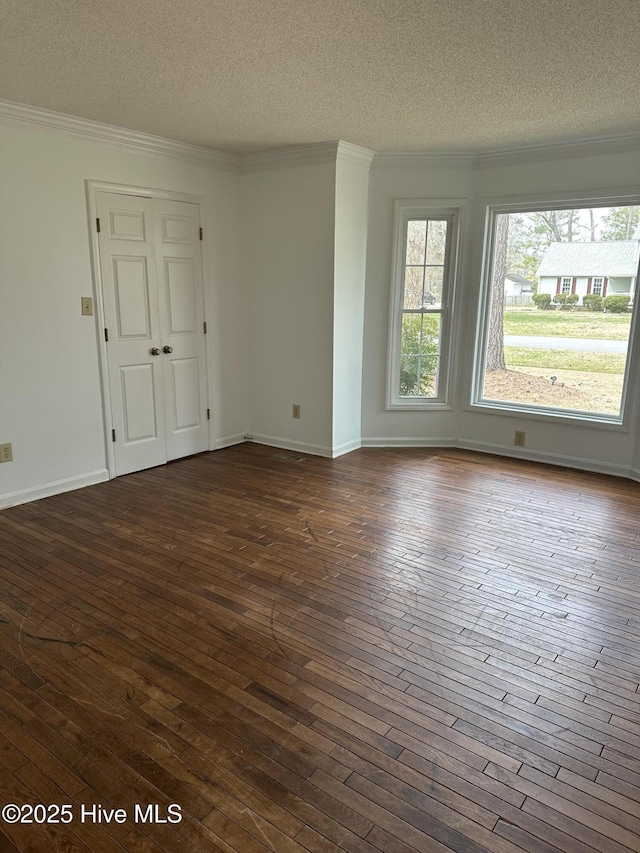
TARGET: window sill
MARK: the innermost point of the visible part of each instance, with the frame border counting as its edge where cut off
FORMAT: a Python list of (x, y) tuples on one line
[(556, 416), (418, 406)]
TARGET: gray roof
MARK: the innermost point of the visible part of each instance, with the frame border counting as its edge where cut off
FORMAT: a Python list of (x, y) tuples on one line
[(598, 258), (518, 279)]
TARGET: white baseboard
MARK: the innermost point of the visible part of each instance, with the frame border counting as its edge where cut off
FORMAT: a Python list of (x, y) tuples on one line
[(576, 462), (229, 441), (347, 447), (289, 444), (558, 459), (55, 488), (401, 441)]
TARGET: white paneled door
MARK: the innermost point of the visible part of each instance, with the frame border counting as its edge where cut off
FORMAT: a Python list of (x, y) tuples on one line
[(151, 272)]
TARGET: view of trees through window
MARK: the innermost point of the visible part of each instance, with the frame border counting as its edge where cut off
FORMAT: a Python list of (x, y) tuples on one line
[(422, 304), (561, 298)]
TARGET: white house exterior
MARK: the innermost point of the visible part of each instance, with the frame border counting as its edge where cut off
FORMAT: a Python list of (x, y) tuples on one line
[(518, 290), (517, 285), (585, 268)]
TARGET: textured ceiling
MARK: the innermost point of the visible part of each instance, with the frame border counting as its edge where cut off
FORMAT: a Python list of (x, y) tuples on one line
[(392, 75)]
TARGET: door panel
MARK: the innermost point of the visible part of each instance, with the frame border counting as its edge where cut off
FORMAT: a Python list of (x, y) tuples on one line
[(138, 403), (181, 307), (127, 263), (131, 283), (178, 227), (153, 299), (186, 394)]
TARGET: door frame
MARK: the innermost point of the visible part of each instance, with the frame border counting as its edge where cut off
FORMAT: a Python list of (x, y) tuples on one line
[(92, 190)]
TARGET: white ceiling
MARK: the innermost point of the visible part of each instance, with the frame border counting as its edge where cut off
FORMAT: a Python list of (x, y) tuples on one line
[(393, 75)]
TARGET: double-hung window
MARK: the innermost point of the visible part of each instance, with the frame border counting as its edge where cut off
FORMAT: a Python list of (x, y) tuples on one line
[(425, 241), (565, 360)]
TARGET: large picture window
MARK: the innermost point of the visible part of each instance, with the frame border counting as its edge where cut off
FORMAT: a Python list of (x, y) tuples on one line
[(564, 350), (424, 252)]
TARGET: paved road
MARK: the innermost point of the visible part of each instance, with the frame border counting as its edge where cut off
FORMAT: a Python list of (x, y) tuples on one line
[(581, 344)]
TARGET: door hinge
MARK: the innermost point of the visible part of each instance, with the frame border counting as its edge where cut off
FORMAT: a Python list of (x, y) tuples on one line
[(113, 435), (201, 233), (106, 334), (98, 224), (204, 326), (208, 414)]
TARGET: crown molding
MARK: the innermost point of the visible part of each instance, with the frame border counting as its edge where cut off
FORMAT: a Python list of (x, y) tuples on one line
[(424, 159), (585, 147), (509, 156), (119, 137), (307, 155), (355, 153), (304, 155), (298, 155)]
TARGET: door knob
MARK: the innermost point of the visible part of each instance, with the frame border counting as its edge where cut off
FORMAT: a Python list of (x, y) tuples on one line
[(155, 350), (167, 349)]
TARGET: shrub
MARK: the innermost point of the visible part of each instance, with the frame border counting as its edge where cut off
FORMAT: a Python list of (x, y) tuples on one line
[(616, 304), (592, 301), (420, 337), (566, 300), (542, 300)]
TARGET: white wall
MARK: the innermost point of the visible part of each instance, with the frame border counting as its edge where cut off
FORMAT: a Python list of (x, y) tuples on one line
[(352, 187), (288, 221), (283, 259), (580, 445), (50, 399)]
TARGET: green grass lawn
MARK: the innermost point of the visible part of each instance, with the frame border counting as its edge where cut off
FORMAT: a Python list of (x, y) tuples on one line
[(567, 324), (587, 362)]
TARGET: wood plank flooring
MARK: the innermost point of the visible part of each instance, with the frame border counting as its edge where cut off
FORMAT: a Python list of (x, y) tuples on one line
[(395, 651)]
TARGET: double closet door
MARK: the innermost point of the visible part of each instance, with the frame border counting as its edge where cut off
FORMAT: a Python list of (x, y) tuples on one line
[(151, 271)]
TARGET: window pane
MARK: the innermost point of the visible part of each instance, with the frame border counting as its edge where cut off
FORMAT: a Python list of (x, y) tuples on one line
[(413, 279), (429, 376), (409, 385), (433, 281), (555, 336), (420, 349), (436, 241), (416, 241), (411, 327), (430, 334)]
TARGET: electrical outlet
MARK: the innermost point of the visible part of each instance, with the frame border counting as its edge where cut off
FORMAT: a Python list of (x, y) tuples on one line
[(87, 306), (519, 438), (6, 452), (296, 411)]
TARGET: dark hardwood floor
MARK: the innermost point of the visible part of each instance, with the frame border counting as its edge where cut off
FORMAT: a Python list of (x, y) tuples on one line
[(395, 651)]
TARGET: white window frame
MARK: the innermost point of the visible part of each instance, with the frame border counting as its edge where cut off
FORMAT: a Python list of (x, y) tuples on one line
[(598, 281), (566, 284), (415, 209), (528, 204)]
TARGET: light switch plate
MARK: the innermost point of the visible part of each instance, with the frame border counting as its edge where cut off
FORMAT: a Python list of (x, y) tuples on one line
[(87, 306)]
